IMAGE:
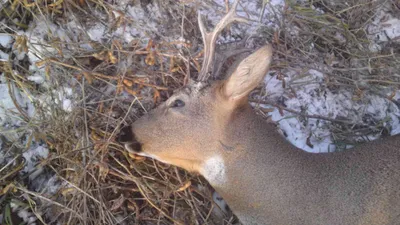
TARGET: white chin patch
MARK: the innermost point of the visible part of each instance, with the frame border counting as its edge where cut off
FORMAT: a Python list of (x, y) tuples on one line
[(151, 156), (128, 148), (213, 169)]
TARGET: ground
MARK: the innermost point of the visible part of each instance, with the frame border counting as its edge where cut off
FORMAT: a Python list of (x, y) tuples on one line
[(72, 72)]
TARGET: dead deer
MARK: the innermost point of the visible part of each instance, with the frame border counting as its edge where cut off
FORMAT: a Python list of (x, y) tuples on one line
[(212, 130)]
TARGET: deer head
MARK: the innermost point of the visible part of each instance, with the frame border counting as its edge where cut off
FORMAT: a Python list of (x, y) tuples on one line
[(189, 127), (188, 130)]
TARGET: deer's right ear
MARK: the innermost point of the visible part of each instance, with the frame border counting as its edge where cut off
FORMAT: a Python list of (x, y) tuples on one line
[(248, 74)]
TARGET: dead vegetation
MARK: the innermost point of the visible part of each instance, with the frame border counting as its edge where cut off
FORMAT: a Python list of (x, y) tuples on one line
[(335, 38), (115, 81)]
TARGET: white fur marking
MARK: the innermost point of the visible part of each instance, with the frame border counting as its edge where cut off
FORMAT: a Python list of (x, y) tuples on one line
[(127, 147), (151, 156), (214, 170)]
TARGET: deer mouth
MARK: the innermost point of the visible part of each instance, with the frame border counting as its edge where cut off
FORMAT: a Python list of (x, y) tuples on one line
[(128, 139)]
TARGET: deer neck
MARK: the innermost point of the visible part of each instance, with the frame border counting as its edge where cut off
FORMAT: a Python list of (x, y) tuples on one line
[(253, 158), (245, 144), (248, 139)]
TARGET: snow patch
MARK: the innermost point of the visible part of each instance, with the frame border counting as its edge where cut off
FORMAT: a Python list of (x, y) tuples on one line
[(384, 27), (36, 78), (33, 155), (5, 40), (8, 115), (3, 56), (62, 96), (96, 33), (28, 217), (262, 14), (311, 97), (67, 105)]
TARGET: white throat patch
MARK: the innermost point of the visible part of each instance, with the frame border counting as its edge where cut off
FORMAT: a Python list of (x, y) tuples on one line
[(213, 170)]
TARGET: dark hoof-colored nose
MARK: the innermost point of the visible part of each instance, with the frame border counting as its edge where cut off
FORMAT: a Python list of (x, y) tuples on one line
[(128, 138), (125, 135)]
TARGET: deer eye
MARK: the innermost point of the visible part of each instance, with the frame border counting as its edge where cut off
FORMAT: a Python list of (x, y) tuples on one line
[(177, 103)]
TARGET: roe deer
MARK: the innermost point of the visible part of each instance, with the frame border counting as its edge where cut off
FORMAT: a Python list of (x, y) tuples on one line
[(212, 130)]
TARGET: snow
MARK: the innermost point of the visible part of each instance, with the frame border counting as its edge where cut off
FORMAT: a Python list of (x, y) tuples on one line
[(28, 217), (384, 27), (127, 34), (33, 155), (5, 40), (8, 118), (67, 105), (52, 185), (61, 96), (36, 78), (64, 95), (3, 56), (96, 33), (9, 115), (6, 104), (252, 10), (313, 98)]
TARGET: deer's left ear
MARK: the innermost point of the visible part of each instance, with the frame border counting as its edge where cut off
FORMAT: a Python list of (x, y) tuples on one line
[(248, 74)]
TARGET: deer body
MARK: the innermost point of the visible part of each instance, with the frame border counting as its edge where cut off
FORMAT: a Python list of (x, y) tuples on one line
[(212, 130), (266, 180), (272, 182)]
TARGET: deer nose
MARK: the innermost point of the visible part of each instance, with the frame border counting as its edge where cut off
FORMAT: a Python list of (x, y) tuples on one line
[(125, 135), (128, 138)]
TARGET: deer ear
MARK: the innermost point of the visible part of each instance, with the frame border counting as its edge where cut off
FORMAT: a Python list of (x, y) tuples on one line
[(248, 74)]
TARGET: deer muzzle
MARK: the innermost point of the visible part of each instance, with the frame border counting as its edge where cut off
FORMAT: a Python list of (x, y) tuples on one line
[(128, 138)]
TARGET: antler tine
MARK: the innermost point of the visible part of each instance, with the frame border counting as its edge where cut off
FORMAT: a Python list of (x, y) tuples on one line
[(210, 38)]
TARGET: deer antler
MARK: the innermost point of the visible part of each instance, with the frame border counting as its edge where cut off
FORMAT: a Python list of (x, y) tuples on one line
[(210, 38)]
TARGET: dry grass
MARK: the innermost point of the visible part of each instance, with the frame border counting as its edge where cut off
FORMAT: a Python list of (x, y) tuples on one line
[(116, 82), (336, 43)]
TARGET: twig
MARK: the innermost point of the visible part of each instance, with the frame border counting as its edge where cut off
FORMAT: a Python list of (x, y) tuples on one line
[(49, 200), (300, 113)]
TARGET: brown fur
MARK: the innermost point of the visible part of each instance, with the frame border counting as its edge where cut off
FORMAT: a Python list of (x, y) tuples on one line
[(285, 185), (268, 180)]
